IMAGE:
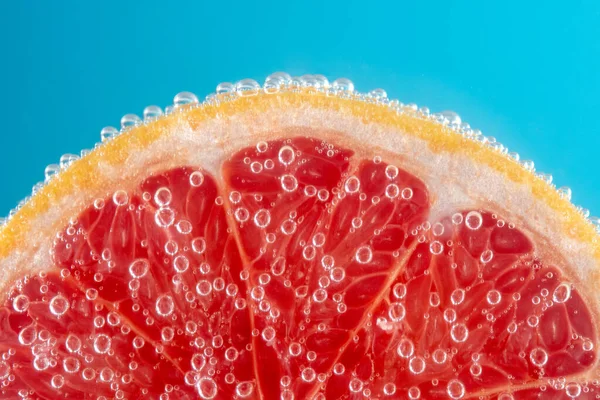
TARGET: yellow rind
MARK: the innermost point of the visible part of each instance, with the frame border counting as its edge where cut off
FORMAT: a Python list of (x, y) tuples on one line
[(80, 175)]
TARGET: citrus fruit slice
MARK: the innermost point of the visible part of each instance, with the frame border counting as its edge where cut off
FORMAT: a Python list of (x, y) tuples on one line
[(298, 241)]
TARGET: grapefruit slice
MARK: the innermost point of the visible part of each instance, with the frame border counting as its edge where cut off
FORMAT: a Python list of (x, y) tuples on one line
[(298, 241)]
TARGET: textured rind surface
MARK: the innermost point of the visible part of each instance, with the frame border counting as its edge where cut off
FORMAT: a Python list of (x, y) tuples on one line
[(459, 172)]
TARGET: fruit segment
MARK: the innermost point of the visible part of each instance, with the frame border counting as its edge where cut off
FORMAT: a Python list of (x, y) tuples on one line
[(144, 301), (473, 314), (323, 240), (301, 271)]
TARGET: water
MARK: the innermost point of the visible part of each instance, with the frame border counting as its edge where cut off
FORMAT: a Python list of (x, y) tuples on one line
[(538, 96), (342, 268)]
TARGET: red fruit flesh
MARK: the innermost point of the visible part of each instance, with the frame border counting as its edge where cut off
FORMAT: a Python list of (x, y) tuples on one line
[(309, 273)]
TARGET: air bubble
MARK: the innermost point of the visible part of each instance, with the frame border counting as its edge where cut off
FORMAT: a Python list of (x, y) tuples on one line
[(318, 240), (278, 266), (493, 297), (406, 348), (27, 335), (163, 197), (323, 194), (289, 183), (165, 305), (268, 334), (262, 146), (288, 227), (475, 369), (295, 349), (241, 214), (457, 219), (225, 87), (164, 217), (389, 389), (459, 333), (247, 87), (286, 155), (439, 356), (120, 198), (262, 218), (562, 293), (438, 229), (396, 312), (355, 385), (107, 133), (57, 381), (71, 365), (327, 262), (184, 227), (343, 85), (436, 247), (392, 191), (203, 288), (199, 245), (198, 361), (59, 305), (152, 113), (102, 344), (171, 247), (399, 290), (364, 255), (72, 343), (473, 220), (538, 357), (207, 388), (434, 299), (20, 303), (196, 178), (407, 193), (565, 192), (414, 393), (167, 334), (257, 293), (417, 365), (486, 256), (310, 191), (337, 274), (181, 263), (99, 204), (244, 389), (457, 296), (308, 374), (455, 389), (339, 369), (391, 171), (129, 121), (352, 184), (88, 374), (231, 354), (573, 389), (184, 98), (320, 295), (256, 167), (309, 252)]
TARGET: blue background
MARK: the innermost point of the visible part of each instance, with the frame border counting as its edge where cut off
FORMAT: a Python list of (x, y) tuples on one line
[(527, 73)]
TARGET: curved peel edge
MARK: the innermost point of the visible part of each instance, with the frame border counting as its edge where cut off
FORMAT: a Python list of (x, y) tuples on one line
[(207, 134)]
